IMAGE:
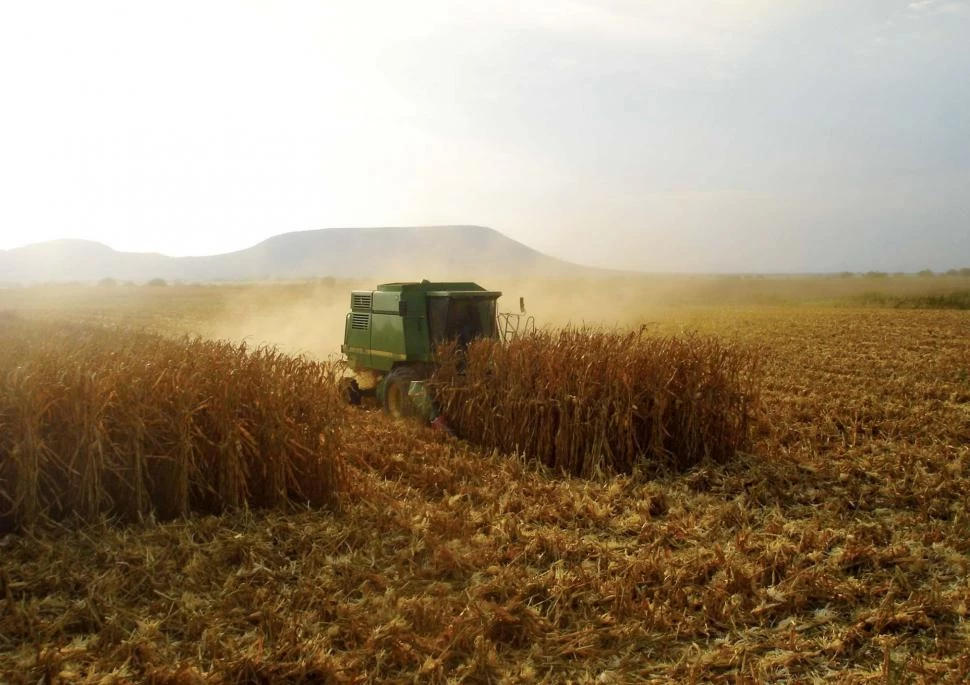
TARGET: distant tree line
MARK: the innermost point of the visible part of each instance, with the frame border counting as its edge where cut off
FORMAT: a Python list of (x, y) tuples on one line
[(924, 273), (962, 273), (114, 282)]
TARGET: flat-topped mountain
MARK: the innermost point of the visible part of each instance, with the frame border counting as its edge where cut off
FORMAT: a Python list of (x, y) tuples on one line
[(383, 253)]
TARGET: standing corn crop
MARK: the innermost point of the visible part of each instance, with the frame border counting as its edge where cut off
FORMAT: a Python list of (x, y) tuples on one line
[(582, 401), (96, 421)]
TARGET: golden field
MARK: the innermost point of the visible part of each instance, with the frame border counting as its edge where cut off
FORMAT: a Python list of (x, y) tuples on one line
[(835, 547)]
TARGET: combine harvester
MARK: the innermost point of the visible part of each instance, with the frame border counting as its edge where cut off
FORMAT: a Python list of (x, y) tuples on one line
[(391, 333), (581, 401)]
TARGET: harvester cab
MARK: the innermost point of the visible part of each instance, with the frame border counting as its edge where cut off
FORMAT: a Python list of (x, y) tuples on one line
[(390, 335)]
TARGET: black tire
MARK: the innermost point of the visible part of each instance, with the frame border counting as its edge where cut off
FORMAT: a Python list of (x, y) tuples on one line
[(351, 391), (396, 386)]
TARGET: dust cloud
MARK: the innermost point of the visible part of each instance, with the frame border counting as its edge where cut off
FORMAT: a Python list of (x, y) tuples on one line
[(304, 318), (308, 317), (621, 302)]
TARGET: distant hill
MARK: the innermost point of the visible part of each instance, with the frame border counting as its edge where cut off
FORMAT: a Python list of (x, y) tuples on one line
[(433, 252)]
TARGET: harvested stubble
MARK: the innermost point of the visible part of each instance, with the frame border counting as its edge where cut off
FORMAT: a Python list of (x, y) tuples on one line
[(583, 401), (95, 421)]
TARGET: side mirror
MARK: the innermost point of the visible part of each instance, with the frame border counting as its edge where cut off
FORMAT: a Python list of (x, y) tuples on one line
[(522, 305)]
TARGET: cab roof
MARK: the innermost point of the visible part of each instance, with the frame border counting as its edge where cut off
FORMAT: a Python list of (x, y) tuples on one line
[(431, 286)]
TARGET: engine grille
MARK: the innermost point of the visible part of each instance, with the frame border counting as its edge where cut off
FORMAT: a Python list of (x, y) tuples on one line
[(360, 322), (361, 301)]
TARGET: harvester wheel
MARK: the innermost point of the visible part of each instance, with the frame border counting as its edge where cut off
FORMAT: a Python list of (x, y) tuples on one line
[(351, 390), (396, 386)]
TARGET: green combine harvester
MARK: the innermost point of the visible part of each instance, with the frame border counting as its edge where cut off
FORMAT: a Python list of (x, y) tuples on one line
[(391, 333)]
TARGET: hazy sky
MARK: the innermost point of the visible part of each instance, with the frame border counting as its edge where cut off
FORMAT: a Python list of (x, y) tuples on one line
[(740, 135)]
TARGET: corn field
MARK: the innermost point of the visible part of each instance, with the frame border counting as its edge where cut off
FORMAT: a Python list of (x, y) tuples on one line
[(833, 549), (96, 421), (584, 401)]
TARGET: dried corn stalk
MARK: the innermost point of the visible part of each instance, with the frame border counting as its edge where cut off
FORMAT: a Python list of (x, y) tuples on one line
[(583, 401), (96, 421)]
